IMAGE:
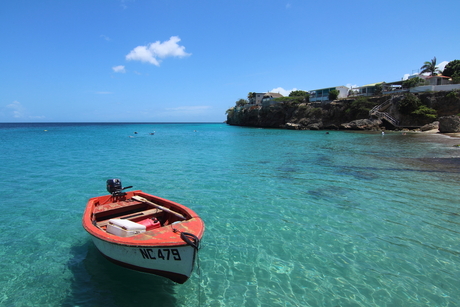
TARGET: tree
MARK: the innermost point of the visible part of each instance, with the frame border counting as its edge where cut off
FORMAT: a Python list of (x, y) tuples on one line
[(412, 82), (251, 97), (430, 67), (301, 95), (409, 104), (452, 70), (241, 102), (360, 107), (333, 94)]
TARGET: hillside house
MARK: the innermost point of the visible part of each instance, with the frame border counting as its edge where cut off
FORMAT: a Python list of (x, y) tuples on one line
[(323, 94), (269, 97), (265, 97), (438, 80)]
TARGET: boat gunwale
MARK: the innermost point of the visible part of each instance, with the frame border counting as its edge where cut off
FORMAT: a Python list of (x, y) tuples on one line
[(137, 240)]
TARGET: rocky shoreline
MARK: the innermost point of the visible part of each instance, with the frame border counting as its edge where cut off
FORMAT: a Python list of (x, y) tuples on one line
[(377, 114)]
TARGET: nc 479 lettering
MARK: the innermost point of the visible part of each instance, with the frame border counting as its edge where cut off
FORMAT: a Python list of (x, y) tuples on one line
[(160, 254)]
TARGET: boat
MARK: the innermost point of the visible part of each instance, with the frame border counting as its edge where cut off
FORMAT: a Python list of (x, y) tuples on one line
[(144, 232)]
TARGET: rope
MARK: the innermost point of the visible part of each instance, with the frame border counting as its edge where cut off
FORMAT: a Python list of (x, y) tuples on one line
[(194, 242)]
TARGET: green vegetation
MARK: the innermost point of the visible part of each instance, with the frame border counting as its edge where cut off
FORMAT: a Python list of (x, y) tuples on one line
[(412, 105), (333, 94), (290, 100), (409, 104), (252, 97), (412, 82), (241, 102), (452, 95), (360, 107), (300, 94), (425, 112), (453, 70), (430, 67)]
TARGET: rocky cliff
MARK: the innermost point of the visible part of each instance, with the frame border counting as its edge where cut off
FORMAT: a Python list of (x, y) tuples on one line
[(374, 113)]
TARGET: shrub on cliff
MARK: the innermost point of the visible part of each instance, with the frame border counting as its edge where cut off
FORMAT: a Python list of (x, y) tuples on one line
[(241, 102), (290, 100), (425, 112), (409, 104), (333, 94), (360, 107), (453, 95), (302, 94), (412, 82), (412, 105)]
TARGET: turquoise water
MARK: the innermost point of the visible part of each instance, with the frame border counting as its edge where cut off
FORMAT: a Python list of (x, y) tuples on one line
[(293, 218)]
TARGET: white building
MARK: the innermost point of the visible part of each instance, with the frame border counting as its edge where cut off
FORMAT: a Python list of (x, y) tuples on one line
[(323, 94)]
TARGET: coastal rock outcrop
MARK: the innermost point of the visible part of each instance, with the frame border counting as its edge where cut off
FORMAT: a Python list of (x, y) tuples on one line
[(400, 111), (432, 126), (449, 124), (362, 124)]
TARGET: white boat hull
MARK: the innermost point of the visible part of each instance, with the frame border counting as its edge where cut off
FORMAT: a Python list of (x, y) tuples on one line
[(173, 262)]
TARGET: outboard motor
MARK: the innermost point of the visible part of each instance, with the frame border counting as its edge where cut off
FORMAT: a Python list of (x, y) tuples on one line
[(115, 188)]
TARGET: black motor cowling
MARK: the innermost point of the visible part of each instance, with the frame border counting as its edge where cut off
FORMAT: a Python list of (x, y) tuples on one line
[(114, 186)]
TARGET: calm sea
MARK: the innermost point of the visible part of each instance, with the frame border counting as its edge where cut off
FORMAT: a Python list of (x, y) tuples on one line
[(293, 218)]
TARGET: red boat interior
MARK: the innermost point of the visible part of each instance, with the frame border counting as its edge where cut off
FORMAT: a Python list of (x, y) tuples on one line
[(124, 207)]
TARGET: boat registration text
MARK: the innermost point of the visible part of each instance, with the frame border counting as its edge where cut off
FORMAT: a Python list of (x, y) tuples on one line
[(160, 254)]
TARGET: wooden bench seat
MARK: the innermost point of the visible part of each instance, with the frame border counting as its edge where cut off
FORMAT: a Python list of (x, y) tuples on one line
[(131, 216), (119, 205)]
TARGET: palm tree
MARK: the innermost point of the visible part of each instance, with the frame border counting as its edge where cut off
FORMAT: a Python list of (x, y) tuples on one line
[(430, 67), (251, 97)]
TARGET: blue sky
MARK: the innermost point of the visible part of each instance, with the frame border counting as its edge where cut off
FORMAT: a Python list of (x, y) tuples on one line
[(189, 61)]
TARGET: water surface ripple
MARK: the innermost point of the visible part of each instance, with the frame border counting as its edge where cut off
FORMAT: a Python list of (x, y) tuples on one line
[(294, 218)]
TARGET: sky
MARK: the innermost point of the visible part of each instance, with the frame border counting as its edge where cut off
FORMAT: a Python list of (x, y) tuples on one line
[(191, 60)]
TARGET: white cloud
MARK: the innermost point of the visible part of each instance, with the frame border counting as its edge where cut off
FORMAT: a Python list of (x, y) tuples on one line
[(282, 91), (442, 65), (119, 68), (17, 109), (106, 38), (154, 52), (406, 76)]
